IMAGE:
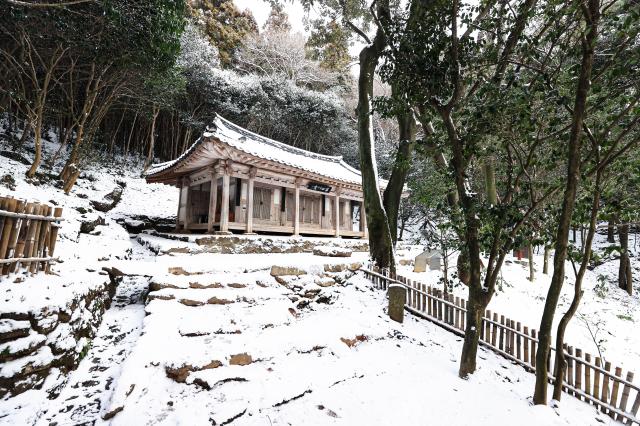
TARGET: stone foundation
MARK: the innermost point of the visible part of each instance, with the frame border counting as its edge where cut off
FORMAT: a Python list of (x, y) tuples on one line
[(238, 244)]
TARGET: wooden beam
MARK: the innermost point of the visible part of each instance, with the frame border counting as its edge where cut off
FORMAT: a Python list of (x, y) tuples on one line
[(224, 210), (179, 204), (337, 208), (296, 209), (213, 200), (187, 206), (249, 213)]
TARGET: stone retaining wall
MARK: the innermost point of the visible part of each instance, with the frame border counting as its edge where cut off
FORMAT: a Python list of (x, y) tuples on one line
[(54, 339), (161, 243)]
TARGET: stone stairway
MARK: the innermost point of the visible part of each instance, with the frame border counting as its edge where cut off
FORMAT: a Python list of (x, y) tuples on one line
[(89, 388)]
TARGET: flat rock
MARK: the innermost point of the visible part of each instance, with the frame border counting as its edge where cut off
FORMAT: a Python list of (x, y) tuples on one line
[(190, 302), (325, 281), (215, 301), (332, 251), (240, 359), (277, 271)]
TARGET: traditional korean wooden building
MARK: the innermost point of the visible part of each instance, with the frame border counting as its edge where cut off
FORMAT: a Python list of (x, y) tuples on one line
[(234, 180)]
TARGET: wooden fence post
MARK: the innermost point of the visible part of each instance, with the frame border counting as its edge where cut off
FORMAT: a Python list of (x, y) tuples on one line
[(526, 344), (614, 391), (578, 379), (625, 395), (604, 396)]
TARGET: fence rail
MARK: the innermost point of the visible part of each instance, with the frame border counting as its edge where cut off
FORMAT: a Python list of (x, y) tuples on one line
[(588, 378), (28, 234)]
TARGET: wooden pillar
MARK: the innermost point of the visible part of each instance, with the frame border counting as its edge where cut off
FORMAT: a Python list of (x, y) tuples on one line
[(213, 199), (337, 207), (296, 209), (346, 215), (187, 204), (224, 206), (249, 213), (363, 221), (179, 204)]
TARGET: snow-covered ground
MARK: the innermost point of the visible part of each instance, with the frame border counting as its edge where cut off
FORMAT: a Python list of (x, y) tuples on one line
[(221, 340), (605, 324)]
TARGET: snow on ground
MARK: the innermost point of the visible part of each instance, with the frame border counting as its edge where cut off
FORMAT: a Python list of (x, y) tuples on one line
[(608, 318), (261, 360), (241, 347)]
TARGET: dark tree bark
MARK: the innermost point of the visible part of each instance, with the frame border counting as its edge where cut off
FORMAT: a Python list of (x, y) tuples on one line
[(152, 140), (611, 230), (591, 13), (402, 163), (380, 241), (561, 362), (625, 278), (26, 132)]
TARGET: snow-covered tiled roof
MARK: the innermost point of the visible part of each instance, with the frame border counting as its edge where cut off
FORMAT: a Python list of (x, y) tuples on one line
[(230, 134)]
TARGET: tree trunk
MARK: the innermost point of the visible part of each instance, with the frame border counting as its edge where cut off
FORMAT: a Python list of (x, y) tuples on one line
[(545, 267), (401, 165), (591, 15), (475, 309), (26, 132), (532, 272), (625, 279), (152, 139), (37, 158), (611, 230), (490, 181), (561, 362), (380, 241)]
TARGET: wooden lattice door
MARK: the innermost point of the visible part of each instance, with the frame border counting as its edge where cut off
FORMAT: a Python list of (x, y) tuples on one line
[(262, 203)]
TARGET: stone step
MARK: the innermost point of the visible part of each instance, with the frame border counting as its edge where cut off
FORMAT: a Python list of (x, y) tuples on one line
[(209, 280)]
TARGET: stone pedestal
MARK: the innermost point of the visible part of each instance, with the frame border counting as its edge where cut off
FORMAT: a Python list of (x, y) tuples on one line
[(397, 298)]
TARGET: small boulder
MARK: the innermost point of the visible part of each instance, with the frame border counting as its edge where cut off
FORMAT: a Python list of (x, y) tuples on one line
[(134, 226), (152, 296), (179, 374), (325, 281), (112, 413), (89, 224), (236, 285), (331, 251), (215, 301), (190, 302), (240, 359), (339, 267), (156, 286), (277, 271), (110, 200), (200, 285), (179, 270), (352, 342)]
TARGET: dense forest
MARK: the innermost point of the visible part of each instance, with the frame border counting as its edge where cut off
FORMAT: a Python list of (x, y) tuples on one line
[(146, 78), (514, 124)]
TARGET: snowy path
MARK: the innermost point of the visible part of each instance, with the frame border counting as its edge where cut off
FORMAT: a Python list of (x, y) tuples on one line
[(90, 387)]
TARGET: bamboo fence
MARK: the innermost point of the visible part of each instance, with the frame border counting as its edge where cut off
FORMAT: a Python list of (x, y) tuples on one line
[(588, 378), (28, 234)]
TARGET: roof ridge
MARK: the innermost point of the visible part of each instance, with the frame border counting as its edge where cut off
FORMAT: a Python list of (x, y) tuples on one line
[(279, 145)]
